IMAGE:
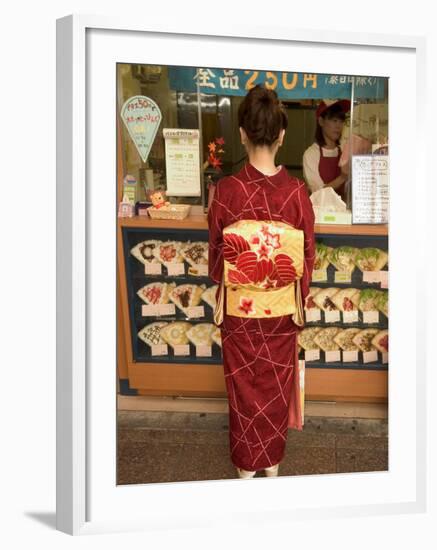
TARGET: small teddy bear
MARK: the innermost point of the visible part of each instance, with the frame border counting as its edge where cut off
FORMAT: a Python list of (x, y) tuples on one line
[(158, 198)]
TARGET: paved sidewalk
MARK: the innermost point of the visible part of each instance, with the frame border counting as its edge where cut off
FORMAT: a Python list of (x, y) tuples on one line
[(157, 447)]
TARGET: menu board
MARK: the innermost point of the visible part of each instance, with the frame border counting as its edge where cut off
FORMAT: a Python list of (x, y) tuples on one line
[(182, 162), (370, 189)]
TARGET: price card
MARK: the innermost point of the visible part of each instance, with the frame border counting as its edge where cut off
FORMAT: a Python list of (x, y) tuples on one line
[(384, 279), (313, 314), (350, 316), (319, 276), (196, 311), (343, 277), (159, 349), (332, 316), (370, 356), (149, 310), (332, 356), (202, 270), (181, 349), (385, 357), (153, 269), (203, 351), (370, 317), (312, 355), (176, 268), (371, 277), (167, 309), (350, 356)]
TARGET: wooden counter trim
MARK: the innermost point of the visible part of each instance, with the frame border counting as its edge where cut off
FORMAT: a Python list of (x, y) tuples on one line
[(200, 222), (355, 385)]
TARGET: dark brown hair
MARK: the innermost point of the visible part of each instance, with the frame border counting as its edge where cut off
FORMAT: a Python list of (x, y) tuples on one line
[(335, 111), (262, 116)]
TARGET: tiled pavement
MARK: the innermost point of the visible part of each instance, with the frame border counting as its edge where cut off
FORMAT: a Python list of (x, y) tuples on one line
[(158, 447)]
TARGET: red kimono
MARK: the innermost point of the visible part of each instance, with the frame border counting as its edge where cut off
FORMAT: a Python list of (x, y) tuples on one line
[(260, 355)]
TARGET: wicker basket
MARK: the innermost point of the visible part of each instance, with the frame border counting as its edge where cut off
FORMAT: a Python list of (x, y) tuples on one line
[(171, 212)]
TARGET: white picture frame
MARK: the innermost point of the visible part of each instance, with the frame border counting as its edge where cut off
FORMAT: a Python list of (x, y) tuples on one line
[(88, 501)]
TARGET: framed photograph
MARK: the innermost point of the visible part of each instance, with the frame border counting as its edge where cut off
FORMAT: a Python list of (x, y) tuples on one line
[(118, 137)]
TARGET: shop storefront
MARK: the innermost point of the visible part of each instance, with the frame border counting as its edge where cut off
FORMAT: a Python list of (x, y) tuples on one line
[(178, 131)]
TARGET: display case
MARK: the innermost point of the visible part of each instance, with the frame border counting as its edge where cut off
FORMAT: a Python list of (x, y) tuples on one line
[(143, 372)]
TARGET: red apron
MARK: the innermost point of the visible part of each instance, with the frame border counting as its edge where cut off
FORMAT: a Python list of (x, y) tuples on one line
[(329, 170)]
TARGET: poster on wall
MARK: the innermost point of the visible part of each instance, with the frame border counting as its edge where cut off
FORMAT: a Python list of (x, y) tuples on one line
[(182, 162), (142, 117), (370, 189)]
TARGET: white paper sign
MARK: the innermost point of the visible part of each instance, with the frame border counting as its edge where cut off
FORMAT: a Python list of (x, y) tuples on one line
[(350, 316), (350, 356), (159, 349), (196, 311), (150, 310), (182, 162), (332, 316), (385, 357), (371, 277), (370, 188), (167, 309), (313, 314), (342, 277), (176, 268), (153, 269), (370, 317), (370, 356), (202, 270), (384, 279), (181, 349), (312, 355), (319, 276), (332, 356), (203, 351)]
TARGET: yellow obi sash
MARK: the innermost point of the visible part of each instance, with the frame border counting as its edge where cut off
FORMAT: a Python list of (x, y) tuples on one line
[(263, 264)]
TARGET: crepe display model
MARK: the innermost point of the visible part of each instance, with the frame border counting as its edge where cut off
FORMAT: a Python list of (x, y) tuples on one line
[(156, 293), (346, 299), (324, 299), (151, 334), (186, 296), (345, 339), (322, 256), (325, 339), (145, 251), (371, 259), (168, 252), (175, 334), (309, 301), (216, 335), (343, 258), (209, 295), (382, 302), (363, 339), (195, 253), (306, 338), (200, 334), (368, 300), (380, 341)]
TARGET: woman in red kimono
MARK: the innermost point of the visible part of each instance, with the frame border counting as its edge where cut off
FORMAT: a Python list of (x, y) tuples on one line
[(260, 354)]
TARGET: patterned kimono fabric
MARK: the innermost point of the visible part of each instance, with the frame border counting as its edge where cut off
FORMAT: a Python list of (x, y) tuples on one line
[(260, 354)]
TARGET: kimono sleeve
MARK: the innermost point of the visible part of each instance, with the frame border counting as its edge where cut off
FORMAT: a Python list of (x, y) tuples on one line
[(307, 225), (216, 222)]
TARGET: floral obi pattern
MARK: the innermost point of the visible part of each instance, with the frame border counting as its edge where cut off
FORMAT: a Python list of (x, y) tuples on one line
[(263, 262)]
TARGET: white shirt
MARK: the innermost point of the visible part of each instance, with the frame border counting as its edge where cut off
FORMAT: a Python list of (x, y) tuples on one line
[(311, 159)]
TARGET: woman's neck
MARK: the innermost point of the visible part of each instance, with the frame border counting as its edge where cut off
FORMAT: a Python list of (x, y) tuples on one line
[(264, 162), (329, 143)]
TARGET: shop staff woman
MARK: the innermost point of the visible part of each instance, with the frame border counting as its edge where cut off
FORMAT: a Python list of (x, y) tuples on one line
[(261, 247), (320, 160)]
